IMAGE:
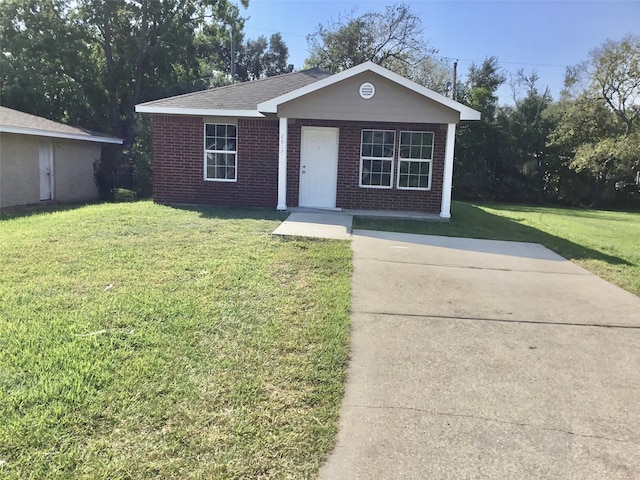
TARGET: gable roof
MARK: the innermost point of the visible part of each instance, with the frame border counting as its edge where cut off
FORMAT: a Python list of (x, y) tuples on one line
[(466, 113), (14, 121), (239, 99), (264, 96)]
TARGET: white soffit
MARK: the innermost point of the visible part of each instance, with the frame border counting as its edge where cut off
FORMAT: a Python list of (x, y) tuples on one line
[(206, 112)]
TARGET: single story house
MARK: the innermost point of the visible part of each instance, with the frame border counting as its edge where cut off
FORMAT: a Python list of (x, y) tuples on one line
[(42, 160), (364, 138)]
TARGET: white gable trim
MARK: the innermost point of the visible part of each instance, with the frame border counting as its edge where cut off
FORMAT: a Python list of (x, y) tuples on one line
[(466, 113), (53, 134), (208, 112)]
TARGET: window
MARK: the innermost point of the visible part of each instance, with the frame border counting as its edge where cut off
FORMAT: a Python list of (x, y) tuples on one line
[(415, 157), (376, 158), (220, 152)]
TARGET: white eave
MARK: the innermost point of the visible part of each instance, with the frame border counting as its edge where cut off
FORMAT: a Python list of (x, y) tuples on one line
[(54, 134), (466, 113), (208, 112)]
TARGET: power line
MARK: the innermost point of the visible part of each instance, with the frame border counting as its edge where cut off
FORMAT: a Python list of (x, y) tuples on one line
[(529, 64)]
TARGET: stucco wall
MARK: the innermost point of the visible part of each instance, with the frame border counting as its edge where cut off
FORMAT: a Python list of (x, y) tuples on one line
[(73, 170), (19, 180), (73, 179)]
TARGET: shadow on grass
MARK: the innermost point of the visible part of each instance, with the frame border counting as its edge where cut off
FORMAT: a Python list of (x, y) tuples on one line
[(235, 213), (470, 221), (559, 210), (8, 213)]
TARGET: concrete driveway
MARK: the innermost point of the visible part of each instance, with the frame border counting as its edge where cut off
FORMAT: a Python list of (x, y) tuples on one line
[(484, 359)]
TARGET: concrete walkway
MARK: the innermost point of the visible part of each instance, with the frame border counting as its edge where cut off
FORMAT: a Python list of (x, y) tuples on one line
[(484, 359)]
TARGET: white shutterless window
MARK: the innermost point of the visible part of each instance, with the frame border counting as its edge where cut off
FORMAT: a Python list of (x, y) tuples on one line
[(415, 160), (376, 158), (220, 152)]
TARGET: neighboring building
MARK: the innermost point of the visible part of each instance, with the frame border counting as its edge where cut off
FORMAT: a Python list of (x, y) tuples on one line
[(42, 160), (365, 138)]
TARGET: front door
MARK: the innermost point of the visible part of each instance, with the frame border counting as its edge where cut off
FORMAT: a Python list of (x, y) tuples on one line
[(46, 169), (318, 167)]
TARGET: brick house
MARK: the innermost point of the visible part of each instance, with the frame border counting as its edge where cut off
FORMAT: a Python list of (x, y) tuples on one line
[(364, 138)]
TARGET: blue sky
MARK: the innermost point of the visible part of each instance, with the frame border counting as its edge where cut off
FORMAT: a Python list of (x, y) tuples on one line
[(545, 36)]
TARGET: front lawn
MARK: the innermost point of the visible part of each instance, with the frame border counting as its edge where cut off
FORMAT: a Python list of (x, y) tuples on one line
[(143, 341), (605, 243)]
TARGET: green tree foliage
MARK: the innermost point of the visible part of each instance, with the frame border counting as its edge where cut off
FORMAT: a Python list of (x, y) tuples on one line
[(259, 58), (616, 78), (599, 132), (393, 39), (531, 123), (47, 66), (89, 62), (582, 149), (479, 147)]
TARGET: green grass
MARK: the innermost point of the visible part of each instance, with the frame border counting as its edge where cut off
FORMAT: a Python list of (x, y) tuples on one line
[(605, 243), (143, 341)]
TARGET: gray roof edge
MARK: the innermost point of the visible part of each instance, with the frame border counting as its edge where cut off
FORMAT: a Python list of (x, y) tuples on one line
[(29, 124), (86, 137)]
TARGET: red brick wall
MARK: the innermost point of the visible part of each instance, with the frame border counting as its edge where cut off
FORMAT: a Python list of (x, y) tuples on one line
[(349, 194), (178, 164)]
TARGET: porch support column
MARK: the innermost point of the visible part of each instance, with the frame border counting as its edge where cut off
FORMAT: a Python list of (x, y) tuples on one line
[(282, 165), (445, 210)]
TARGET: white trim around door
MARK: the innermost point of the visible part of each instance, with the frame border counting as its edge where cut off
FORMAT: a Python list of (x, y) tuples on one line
[(318, 167)]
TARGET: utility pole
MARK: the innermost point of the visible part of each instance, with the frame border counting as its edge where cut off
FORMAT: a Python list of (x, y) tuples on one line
[(455, 79), (233, 60)]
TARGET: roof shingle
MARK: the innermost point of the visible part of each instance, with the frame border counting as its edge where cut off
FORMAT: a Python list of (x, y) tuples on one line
[(14, 121), (242, 96)]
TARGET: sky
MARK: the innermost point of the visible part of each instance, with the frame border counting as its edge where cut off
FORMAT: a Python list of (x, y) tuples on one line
[(544, 36)]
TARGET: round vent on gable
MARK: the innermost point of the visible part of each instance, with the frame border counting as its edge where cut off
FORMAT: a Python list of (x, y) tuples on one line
[(367, 90)]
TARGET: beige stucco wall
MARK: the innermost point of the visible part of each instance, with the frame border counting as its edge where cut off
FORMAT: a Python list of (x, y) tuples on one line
[(73, 179), (19, 180), (73, 160), (391, 103)]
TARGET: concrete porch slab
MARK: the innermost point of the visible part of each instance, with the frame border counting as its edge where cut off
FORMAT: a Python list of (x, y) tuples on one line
[(336, 226), (390, 214)]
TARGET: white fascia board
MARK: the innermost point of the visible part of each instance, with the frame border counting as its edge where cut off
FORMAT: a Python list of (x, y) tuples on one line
[(466, 113), (207, 112), (67, 136)]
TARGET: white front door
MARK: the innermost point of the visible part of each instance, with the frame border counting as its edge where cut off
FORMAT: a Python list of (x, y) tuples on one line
[(46, 169), (318, 167)]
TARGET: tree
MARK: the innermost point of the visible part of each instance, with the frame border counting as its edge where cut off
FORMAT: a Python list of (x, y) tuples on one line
[(531, 123), (598, 132), (46, 65), (89, 62), (392, 39), (480, 145), (615, 72), (258, 59)]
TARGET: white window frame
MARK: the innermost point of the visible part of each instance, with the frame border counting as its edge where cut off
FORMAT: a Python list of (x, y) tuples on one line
[(420, 160), (234, 152), (390, 159)]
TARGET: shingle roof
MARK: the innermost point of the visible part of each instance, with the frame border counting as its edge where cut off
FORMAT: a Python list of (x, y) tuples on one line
[(263, 97), (241, 96), (14, 121)]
